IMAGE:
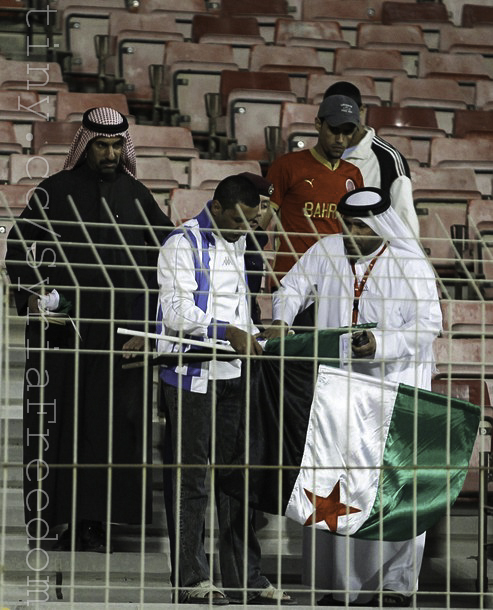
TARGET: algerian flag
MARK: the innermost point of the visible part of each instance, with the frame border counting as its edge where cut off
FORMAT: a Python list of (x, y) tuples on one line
[(347, 452)]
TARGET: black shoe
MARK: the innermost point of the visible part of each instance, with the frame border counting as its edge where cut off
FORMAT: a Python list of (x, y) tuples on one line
[(93, 538), (65, 540)]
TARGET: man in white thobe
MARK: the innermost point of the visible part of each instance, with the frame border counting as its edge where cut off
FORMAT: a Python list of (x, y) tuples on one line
[(376, 273)]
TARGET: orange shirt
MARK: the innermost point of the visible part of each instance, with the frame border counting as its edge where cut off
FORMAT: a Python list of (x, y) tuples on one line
[(307, 188)]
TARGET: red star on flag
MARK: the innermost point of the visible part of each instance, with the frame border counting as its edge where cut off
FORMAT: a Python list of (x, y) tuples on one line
[(329, 509)]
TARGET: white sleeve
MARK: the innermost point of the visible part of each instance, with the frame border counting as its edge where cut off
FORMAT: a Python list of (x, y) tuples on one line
[(401, 196), (177, 285), (298, 286)]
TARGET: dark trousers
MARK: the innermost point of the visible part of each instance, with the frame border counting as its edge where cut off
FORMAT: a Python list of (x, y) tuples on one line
[(196, 441)]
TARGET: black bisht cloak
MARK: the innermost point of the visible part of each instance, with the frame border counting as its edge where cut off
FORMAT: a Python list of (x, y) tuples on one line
[(105, 271)]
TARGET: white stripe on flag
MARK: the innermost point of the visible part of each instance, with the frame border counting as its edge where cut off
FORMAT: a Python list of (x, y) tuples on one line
[(346, 436)]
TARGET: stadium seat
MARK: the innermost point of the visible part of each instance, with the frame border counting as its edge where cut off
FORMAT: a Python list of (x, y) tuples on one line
[(26, 169), (192, 70), (182, 12), (175, 143), (207, 173), (476, 153), (435, 222), (474, 15), (382, 66), (266, 13), (467, 40), (420, 124), (250, 102), (298, 65), (54, 137), (442, 94), (23, 108), (139, 41), (157, 174), (239, 32), (8, 145), (405, 147), (70, 106), (430, 16), (479, 217), (349, 14), (79, 24), (8, 139), (444, 184), (472, 123), (408, 39), (464, 357), (324, 36), (467, 318), (186, 203), (298, 126), (316, 86), (484, 95), (40, 76), (465, 68)]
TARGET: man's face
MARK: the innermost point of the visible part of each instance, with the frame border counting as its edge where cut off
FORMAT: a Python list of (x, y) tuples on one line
[(333, 141), (230, 221), (103, 154), (359, 239)]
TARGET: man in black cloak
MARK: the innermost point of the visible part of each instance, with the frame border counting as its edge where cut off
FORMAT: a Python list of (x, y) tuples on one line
[(87, 423)]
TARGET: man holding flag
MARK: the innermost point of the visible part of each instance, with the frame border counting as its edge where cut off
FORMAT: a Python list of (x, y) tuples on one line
[(376, 275)]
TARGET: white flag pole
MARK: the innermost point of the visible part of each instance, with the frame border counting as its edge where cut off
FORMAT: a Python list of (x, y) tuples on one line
[(139, 333)]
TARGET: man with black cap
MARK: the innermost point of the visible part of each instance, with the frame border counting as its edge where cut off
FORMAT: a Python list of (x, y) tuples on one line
[(309, 184), (380, 163), (375, 273), (96, 231)]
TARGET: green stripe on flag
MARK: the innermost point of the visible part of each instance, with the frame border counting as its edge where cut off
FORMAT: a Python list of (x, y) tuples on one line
[(421, 473)]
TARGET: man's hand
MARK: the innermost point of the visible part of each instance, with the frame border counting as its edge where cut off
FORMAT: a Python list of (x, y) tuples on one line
[(276, 330), (363, 344), (135, 344), (243, 342)]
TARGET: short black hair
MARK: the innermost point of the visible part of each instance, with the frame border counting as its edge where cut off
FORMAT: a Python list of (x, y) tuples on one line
[(343, 87), (236, 189)]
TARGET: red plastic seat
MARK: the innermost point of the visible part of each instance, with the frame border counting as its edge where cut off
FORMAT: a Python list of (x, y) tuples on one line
[(483, 99), (192, 70), (324, 36), (28, 169), (251, 101), (266, 13), (298, 126), (476, 153), (472, 123), (467, 40), (187, 203), (70, 106), (479, 217), (175, 143), (182, 12), (207, 173), (53, 137), (444, 184), (317, 85), (474, 15), (430, 16), (298, 65), (442, 94), (239, 32)]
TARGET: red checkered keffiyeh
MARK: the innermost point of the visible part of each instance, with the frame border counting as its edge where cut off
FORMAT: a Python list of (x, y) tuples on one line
[(102, 122)]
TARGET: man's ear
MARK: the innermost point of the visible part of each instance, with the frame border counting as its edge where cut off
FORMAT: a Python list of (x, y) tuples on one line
[(318, 124), (216, 208)]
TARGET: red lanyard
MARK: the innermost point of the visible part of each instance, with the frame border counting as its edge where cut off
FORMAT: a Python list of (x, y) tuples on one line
[(359, 286)]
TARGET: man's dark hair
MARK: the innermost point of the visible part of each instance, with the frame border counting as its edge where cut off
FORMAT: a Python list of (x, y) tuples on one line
[(342, 87), (236, 189)]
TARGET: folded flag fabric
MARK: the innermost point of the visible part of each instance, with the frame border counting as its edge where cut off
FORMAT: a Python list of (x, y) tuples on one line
[(346, 452)]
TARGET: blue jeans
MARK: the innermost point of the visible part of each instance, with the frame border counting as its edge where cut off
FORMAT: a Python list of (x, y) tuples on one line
[(195, 447)]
